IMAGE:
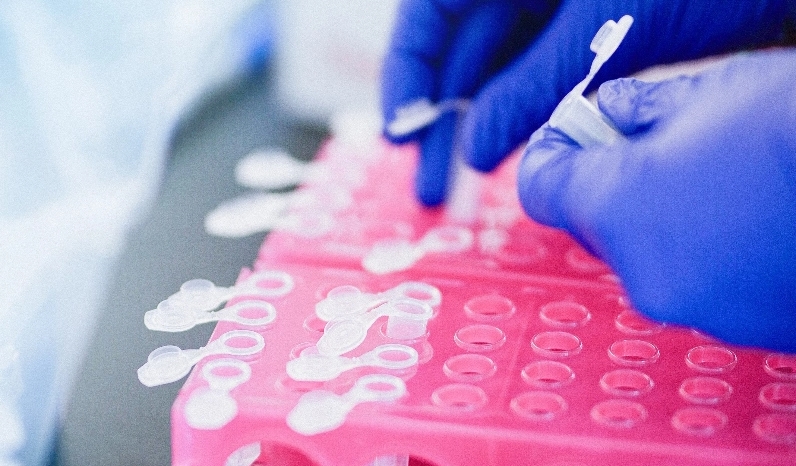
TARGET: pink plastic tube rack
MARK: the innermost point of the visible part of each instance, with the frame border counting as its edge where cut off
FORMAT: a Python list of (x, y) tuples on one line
[(534, 355)]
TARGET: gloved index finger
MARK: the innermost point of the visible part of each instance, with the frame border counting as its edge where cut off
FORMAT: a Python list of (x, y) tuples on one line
[(440, 51), (522, 96), (410, 69), (564, 186)]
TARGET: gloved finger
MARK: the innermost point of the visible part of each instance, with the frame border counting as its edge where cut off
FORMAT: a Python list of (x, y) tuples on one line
[(567, 187), (521, 98), (409, 70), (635, 106), (478, 36), (542, 174), (433, 169), (425, 38)]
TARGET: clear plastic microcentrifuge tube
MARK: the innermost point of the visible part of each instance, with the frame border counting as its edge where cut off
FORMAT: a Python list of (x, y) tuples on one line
[(258, 212), (575, 116), (168, 317), (244, 456), (270, 169), (421, 113), (390, 460)]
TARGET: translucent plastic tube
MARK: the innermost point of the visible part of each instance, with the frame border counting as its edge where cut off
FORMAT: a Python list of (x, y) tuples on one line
[(575, 116)]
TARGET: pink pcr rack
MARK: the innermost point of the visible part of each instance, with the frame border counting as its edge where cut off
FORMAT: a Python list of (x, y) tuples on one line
[(534, 355)]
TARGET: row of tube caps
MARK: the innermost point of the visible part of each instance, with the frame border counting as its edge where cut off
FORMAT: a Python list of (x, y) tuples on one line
[(348, 314)]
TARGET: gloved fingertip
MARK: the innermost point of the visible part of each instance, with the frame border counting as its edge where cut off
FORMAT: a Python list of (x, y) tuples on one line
[(480, 162), (483, 137), (540, 149), (402, 139), (536, 184), (429, 196), (433, 169), (431, 181), (619, 99), (626, 88), (636, 106), (482, 152)]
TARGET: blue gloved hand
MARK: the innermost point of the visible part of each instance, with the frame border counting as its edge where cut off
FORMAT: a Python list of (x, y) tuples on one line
[(517, 58), (696, 212)]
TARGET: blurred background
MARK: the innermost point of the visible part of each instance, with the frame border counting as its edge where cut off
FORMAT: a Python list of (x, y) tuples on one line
[(120, 127)]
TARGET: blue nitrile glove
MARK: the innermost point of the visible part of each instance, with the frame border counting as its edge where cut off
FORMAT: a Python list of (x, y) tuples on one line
[(480, 49), (696, 212)]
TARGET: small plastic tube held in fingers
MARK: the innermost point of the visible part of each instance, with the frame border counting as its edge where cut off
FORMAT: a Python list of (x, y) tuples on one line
[(575, 116), (579, 119)]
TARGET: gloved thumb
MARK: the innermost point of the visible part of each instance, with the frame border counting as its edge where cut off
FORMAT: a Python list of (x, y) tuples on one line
[(559, 183), (636, 106)]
